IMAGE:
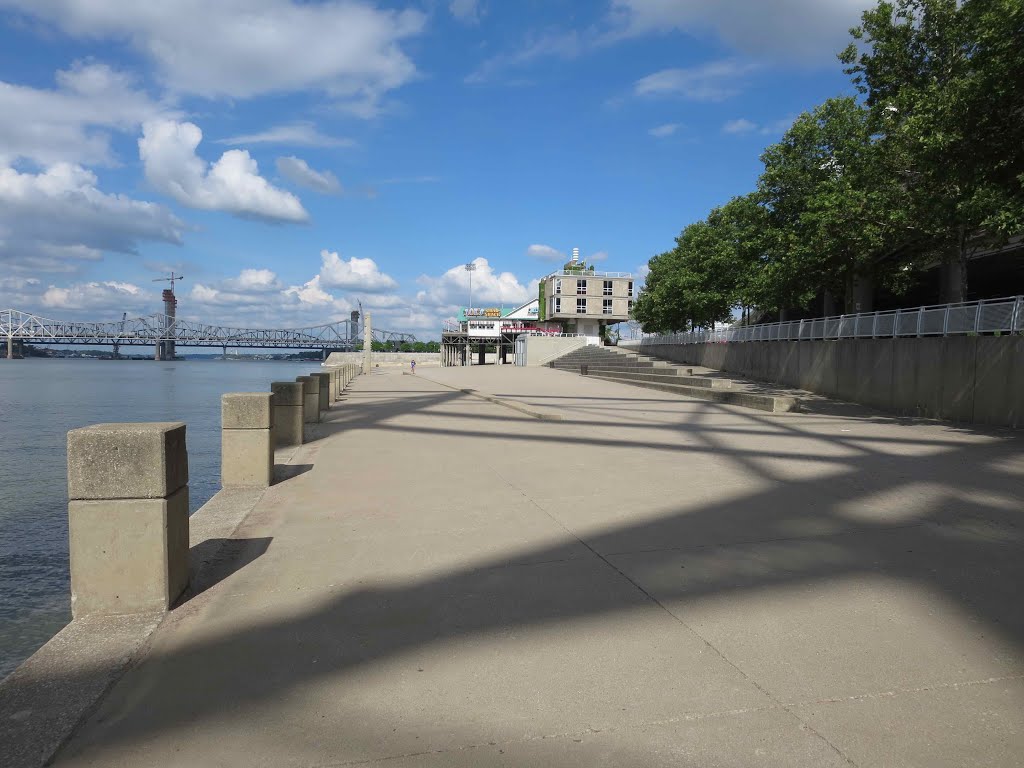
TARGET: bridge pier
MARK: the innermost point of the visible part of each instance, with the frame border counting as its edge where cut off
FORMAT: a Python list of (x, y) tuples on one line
[(10, 347)]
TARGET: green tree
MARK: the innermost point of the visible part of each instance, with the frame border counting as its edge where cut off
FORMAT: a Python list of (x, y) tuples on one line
[(833, 210), (934, 74)]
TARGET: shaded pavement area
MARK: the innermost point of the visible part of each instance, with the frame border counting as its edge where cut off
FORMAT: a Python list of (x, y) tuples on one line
[(652, 581)]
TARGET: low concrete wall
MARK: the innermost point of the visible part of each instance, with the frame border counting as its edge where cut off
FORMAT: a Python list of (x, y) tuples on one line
[(386, 359), (977, 379), (542, 349)]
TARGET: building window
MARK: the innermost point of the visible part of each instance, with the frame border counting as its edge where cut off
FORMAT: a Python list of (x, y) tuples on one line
[(558, 286), (629, 307), (581, 306), (607, 308), (581, 287), (558, 305), (629, 288), (607, 287)]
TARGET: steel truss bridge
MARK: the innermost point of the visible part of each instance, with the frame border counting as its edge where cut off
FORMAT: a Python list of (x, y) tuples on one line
[(153, 330)]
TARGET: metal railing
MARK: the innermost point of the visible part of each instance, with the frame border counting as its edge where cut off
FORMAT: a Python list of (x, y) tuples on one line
[(987, 316), (588, 272)]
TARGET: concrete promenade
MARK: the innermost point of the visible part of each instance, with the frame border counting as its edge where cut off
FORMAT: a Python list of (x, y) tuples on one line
[(648, 581)]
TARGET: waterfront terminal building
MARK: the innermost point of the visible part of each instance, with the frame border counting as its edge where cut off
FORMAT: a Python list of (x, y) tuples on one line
[(577, 302)]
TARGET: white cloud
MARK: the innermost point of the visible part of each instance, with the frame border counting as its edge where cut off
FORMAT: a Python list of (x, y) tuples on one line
[(545, 252), (298, 172), (310, 293), (354, 274), (110, 295), (71, 123), (451, 290), (714, 81), (466, 11), (258, 280), (52, 219), (295, 134), (743, 126), (739, 126), (242, 48), (804, 30), (562, 45), (232, 184), (664, 131)]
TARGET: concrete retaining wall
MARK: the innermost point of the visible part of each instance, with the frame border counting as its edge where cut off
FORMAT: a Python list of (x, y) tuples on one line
[(976, 379), (425, 359)]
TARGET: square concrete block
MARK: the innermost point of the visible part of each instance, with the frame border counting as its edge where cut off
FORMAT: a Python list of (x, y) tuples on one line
[(287, 392), (246, 410), (325, 389), (288, 421), (312, 384), (128, 555), (247, 457), (127, 461)]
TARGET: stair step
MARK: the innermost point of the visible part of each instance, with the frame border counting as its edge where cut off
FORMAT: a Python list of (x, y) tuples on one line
[(770, 403)]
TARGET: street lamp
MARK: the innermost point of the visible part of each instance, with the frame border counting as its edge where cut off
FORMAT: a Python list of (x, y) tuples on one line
[(471, 268)]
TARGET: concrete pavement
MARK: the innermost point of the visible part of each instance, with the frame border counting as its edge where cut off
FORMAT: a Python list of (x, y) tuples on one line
[(651, 581)]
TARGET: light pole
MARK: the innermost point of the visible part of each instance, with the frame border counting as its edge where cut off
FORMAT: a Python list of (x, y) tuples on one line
[(471, 268)]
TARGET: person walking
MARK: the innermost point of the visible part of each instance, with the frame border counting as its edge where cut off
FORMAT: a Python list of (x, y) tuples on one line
[(412, 364)]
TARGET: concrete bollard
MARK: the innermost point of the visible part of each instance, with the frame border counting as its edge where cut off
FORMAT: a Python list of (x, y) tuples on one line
[(325, 390), (338, 386), (127, 517), (288, 399), (246, 439), (310, 398)]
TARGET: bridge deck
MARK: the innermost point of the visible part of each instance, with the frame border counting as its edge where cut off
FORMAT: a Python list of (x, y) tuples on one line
[(651, 581)]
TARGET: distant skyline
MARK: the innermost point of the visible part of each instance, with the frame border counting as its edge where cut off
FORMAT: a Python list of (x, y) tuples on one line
[(295, 158)]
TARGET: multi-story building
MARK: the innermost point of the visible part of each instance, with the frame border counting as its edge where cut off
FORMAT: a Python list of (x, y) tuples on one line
[(585, 300)]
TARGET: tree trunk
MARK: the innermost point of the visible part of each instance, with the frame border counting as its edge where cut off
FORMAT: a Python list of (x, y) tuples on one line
[(953, 273), (828, 304), (863, 293)]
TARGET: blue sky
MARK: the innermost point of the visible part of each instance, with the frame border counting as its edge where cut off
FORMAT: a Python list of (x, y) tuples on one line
[(293, 158)]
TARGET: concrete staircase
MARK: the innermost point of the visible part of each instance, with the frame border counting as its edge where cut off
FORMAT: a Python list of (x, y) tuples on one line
[(628, 367)]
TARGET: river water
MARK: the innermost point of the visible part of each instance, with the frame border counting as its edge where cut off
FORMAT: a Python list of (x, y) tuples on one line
[(40, 400)]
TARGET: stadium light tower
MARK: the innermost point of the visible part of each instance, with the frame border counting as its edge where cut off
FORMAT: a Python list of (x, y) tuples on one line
[(471, 268)]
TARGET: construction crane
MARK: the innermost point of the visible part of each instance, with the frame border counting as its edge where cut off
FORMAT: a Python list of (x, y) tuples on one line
[(165, 349)]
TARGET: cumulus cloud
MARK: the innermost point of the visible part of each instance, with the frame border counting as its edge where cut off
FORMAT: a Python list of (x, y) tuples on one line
[(298, 172), (545, 252), (258, 280), (52, 219), (714, 81), (295, 134), (664, 131), (71, 123), (110, 295), (804, 30), (310, 293), (232, 184), (240, 48), (450, 290), (354, 274)]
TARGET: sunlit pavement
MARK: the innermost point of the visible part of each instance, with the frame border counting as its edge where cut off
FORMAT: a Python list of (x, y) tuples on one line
[(651, 581)]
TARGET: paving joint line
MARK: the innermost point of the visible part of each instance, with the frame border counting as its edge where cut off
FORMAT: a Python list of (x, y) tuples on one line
[(496, 400), (682, 623)]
